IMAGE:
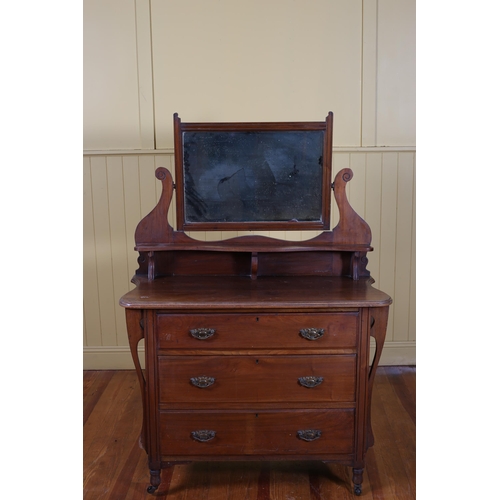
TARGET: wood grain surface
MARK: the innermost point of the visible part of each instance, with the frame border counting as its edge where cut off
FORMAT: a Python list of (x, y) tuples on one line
[(115, 467)]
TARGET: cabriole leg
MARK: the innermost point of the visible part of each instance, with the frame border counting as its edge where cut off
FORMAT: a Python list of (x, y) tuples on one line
[(357, 479)]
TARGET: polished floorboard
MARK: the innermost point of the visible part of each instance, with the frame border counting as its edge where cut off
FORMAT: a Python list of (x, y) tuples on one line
[(115, 468)]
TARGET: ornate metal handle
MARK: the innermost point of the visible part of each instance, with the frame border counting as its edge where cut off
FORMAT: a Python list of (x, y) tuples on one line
[(203, 435), (310, 381), (309, 434), (312, 333), (202, 381), (202, 333)]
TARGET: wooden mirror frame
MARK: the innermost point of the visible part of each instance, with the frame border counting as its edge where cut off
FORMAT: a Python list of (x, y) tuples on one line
[(322, 224)]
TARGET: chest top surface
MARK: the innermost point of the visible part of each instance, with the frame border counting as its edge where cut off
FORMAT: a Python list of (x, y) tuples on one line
[(264, 293)]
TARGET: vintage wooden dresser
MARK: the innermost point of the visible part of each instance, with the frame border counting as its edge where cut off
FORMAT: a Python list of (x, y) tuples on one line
[(256, 348)]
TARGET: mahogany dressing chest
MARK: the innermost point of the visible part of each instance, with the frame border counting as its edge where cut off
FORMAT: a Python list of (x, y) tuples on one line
[(256, 347)]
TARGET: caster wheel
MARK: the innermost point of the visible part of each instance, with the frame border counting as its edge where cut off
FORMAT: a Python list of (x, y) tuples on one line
[(152, 489), (357, 490)]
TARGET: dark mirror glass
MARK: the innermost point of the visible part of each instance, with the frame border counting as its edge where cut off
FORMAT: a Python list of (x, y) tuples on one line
[(262, 176)]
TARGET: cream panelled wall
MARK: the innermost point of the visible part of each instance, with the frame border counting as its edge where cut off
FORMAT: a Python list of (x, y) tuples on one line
[(120, 189), (235, 60)]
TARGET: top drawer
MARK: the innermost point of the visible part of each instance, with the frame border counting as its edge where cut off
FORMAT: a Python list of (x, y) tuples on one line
[(250, 331)]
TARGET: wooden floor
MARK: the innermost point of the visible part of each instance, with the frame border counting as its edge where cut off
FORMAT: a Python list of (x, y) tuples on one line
[(115, 468)]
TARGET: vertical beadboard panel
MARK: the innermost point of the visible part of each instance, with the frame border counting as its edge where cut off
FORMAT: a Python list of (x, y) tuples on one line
[(91, 314), (104, 264), (227, 235), (404, 232), (388, 230), (293, 235), (132, 210), (372, 210), (118, 235), (213, 235), (412, 317), (339, 161), (281, 235), (147, 184), (357, 185)]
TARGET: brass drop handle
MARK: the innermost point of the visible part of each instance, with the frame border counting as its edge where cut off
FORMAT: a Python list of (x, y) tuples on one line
[(312, 333), (203, 435), (202, 333), (202, 381), (310, 381), (309, 434)]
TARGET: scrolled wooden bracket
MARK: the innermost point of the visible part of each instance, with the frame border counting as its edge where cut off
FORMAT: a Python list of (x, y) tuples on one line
[(154, 228), (378, 327), (351, 228)]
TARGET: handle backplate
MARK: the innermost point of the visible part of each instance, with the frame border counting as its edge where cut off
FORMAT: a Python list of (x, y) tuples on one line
[(309, 434), (312, 333), (202, 381), (203, 435), (202, 333), (310, 381)]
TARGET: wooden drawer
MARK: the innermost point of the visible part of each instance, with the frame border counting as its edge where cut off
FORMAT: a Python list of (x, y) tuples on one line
[(249, 331), (262, 433), (257, 378)]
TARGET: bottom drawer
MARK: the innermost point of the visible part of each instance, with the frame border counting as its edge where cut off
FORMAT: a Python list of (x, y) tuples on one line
[(297, 432)]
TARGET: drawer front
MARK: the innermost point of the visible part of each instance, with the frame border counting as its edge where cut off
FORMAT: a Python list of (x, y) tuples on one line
[(299, 432), (248, 331), (257, 378)]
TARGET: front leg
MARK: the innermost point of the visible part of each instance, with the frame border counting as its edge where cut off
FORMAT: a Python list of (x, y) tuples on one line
[(155, 480), (378, 328), (135, 332), (357, 479)]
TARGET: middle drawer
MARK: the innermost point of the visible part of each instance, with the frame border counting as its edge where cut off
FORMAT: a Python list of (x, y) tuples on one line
[(315, 378)]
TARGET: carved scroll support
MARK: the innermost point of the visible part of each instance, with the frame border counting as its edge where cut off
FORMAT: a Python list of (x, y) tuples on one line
[(351, 228), (135, 334), (378, 328), (154, 228)]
